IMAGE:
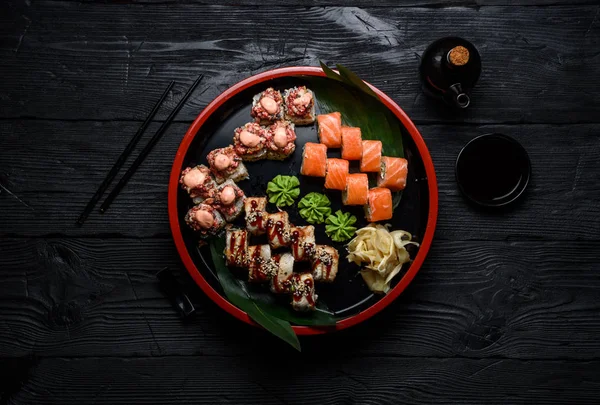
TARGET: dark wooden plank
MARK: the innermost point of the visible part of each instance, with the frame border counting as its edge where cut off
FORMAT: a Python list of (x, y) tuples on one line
[(88, 64), (366, 3), (334, 379), (46, 187), (92, 297)]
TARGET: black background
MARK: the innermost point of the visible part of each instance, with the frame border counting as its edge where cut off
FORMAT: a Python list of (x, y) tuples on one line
[(504, 310)]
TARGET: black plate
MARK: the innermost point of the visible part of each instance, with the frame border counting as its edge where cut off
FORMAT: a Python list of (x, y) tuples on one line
[(348, 295)]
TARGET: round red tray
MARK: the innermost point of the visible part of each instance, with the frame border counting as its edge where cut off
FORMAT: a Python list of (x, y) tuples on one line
[(174, 216)]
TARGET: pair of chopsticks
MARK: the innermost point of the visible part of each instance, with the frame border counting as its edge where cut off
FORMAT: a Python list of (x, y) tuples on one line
[(129, 148)]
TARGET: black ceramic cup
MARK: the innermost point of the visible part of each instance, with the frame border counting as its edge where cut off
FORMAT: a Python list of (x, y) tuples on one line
[(493, 170)]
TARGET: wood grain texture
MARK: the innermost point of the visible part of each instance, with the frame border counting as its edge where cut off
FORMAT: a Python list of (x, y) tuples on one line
[(45, 188), (94, 297), (262, 378), (365, 3), (504, 310), (89, 64)]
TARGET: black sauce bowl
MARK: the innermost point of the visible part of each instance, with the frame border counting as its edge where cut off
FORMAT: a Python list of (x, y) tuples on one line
[(493, 170)]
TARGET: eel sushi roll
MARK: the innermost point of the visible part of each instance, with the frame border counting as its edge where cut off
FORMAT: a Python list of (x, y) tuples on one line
[(281, 283), (261, 266), (351, 143), (225, 164), (370, 160), (302, 288), (393, 173), (330, 129), (205, 220), (281, 140), (236, 247), (325, 263), (267, 106), (336, 174), (198, 183), (229, 200), (379, 204), (314, 159), (299, 105), (250, 142), (357, 189), (256, 216), (302, 242), (278, 229)]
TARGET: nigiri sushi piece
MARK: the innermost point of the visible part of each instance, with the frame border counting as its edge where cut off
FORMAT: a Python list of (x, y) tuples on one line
[(281, 283), (261, 266), (205, 219), (278, 229), (356, 190), (330, 129), (250, 142), (325, 263), (229, 200), (267, 106), (198, 182), (236, 247), (299, 105), (303, 292), (281, 140), (337, 171), (314, 159), (302, 240), (370, 160), (379, 204), (226, 164), (351, 143), (393, 173), (256, 216)]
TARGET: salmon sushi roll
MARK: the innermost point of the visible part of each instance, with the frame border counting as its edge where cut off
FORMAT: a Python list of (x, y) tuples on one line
[(236, 247), (299, 105), (314, 159), (351, 143), (267, 106), (281, 140), (379, 205), (336, 174), (357, 189), (393, 173), (330, 129), (250, 142), (370, 160)]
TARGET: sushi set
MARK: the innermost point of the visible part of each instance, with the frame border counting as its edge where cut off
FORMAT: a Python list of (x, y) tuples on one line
[(310, 250)]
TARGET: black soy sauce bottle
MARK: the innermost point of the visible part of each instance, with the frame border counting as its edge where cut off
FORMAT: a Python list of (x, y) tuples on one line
[(449, 69)]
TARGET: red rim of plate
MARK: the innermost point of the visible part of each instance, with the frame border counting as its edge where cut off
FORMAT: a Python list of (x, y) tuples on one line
[(222, 301)]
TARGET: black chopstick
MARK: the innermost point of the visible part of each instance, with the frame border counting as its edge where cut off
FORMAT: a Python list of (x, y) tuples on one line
[(123, 157), (148, 148)]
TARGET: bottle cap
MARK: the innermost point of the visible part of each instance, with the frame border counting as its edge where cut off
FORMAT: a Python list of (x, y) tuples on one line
[(458, 56)]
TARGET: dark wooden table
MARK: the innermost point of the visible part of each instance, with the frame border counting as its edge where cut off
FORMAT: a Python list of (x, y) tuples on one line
[(505, 310)]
